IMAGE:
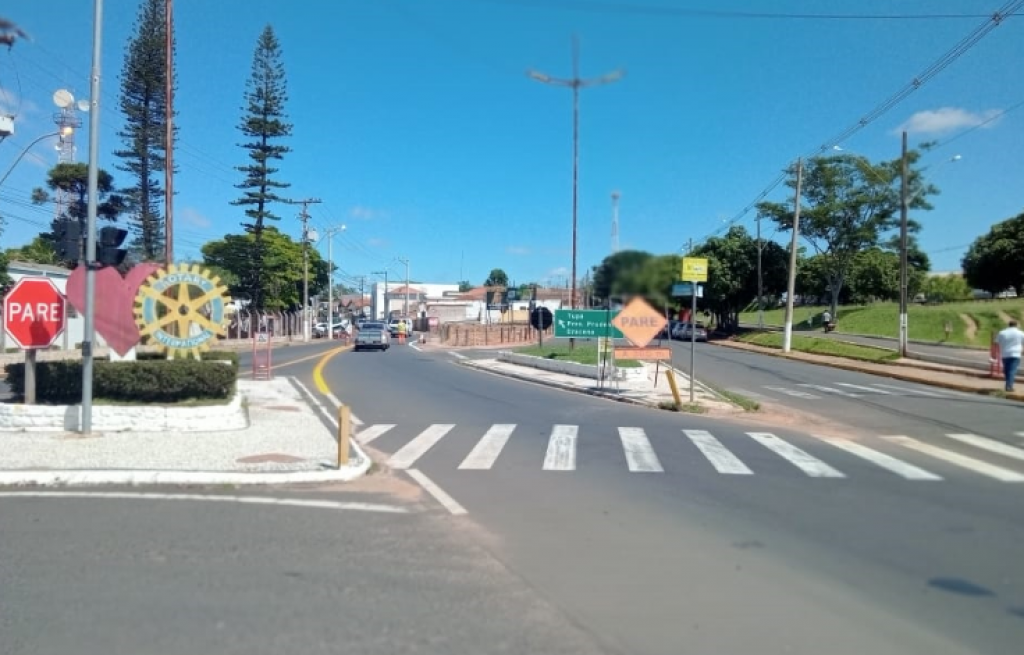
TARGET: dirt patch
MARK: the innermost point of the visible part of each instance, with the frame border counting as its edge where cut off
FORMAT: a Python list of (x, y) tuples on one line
[(970, 327), (1004, 317), (277, 458), (787, 417)]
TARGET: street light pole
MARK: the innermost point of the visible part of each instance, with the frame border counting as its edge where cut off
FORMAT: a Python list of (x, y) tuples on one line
[(760, 278), (787, 337), (904, 273), (330, 278), (575, 83)]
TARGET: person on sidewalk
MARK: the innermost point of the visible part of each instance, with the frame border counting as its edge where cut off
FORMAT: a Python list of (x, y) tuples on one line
[(1011, 342)]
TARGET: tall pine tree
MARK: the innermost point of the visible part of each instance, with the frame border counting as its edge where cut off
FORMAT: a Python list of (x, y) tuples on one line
[(263, 123), (144, 135)]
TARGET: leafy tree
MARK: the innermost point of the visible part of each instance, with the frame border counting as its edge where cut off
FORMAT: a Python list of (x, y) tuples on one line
[(39, 251), (72, 180), (615, 275), (654, 280), (144, 105), (5, 278), (732, 272), (497, 278), (282, 268), (995, 261), (849, 205), (263, 124), (946, 288), (464, 286)]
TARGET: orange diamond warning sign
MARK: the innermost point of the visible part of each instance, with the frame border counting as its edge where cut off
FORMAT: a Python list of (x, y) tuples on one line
[(639, 322)]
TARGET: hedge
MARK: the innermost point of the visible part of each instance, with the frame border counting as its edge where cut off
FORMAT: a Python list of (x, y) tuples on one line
[(155, 382), (208, 356)]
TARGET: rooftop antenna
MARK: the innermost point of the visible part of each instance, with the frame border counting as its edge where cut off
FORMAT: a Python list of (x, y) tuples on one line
[(67, 122)]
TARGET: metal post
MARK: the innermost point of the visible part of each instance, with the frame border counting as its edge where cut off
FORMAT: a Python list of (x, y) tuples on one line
[(30, 376), (693, 336), (344, 434), (787, 337), (760, 278), (90, 229), (330, 284), (904, 273), (169, 136)]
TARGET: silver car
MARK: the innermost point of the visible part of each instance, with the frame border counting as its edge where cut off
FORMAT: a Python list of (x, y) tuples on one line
[(372, 339)]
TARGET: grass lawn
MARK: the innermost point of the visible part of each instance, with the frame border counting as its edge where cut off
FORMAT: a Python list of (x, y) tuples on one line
[(972, 323), (821, 346), (581, 354)]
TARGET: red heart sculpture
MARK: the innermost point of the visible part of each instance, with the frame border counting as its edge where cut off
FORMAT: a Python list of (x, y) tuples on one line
[(115, 303)]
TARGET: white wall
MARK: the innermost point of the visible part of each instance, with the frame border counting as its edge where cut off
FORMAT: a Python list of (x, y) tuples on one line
[(431, 291)]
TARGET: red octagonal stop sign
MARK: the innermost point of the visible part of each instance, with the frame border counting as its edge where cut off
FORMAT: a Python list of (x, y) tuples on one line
[(34, 312)]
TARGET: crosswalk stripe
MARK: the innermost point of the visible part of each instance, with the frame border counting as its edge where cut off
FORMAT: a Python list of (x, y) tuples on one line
[(919, 392), (832, 390), (888, 462), (367, 435), (407, 455), (561, 454), (864, 388), (640, 456), (804, 461), (976, 465), (794, 392), (720, 457), (989, 444), (486, 451)]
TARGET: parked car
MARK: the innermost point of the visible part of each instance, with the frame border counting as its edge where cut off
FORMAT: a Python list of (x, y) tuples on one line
[(372, 339), (683, 332), (320, 329)]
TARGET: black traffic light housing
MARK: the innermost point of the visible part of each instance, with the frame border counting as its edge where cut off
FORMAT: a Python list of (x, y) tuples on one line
[(67, 238), (109, 251)]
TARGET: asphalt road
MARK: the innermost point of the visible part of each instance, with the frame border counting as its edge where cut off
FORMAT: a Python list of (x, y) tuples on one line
[(721, 539), (134, 576)]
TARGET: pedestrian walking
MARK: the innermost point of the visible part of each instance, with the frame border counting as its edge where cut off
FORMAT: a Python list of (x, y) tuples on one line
[(1011, 342)]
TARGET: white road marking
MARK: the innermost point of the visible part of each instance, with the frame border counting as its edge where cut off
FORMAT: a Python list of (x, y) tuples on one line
[(439, 494), (333, 418), (794, 392), (911, 390), (640, 456), (407, 455), (251, 500), (561, 454), (720, 457), (486, 451), (1019, 434), (367, 435), (747, 392), (889, 463), (865, 388), (976, 465), (415, 347), (457, 355), (804, 461), (832, 390), (989, 444)]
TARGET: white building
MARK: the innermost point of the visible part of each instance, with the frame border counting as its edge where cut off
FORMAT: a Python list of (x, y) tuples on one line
[(417, 295)]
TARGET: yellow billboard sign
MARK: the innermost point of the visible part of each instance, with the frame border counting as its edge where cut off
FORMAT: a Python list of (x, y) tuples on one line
[(695, 269)]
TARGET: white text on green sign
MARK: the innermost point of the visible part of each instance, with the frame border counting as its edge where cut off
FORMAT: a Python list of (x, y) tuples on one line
[(585, 323)]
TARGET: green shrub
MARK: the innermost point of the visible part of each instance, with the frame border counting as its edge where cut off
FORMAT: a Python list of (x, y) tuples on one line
[(210, 356), (155, 382)]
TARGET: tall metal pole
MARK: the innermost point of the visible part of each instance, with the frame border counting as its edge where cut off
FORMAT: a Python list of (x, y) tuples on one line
[(787, 338), (304, 217), (760, 278), (90, 229), (169, 136), (904, 273), (330, 284), (615, 222)]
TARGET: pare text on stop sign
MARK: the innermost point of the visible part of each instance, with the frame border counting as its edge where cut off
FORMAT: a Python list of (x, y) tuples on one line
[(36, 311)]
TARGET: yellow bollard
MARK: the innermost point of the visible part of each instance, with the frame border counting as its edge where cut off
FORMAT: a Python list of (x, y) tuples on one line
[(672, 383), (344, 434)]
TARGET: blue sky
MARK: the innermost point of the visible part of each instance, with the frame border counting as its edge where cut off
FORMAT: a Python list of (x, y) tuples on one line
[(417, 126)]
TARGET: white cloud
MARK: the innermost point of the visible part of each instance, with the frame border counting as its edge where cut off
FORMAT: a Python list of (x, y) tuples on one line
[(361, 213), (377, 242), (193, 217), (947, 119), (561, 271), (518, 250)]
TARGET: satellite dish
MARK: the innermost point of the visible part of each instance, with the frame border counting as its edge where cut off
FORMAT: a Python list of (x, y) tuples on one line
[(83, 105), (63, 98)]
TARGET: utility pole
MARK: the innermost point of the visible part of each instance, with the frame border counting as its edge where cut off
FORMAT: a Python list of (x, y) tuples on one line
[(169, 135), (304, 217), (760, 278), (330, 278), (405, 260), (386, 307), (904, 274), (787, 337), (615, 222), (575, 83)]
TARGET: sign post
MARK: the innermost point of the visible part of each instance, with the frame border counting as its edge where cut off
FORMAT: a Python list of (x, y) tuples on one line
[(640, 323), (261, 359), (695, 269), (541, 319), (34, 316)]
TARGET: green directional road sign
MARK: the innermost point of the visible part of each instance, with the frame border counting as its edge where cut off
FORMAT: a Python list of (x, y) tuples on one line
[(585, 324)]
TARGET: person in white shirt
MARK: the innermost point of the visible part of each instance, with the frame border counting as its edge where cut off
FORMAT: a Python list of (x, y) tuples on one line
[(1011, 342)]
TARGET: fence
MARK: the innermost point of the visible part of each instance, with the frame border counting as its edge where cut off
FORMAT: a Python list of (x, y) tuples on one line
[(244, 324), (474, 334)]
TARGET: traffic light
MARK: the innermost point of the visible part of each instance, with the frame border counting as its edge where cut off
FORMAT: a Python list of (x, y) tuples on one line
[(109, 251), (67, 238)]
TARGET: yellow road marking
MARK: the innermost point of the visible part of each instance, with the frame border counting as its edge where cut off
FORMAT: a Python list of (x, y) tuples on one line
[(318, 371), (299, 360)]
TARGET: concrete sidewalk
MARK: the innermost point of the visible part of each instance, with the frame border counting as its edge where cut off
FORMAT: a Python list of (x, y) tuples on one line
[(285, 442), (958, 378)]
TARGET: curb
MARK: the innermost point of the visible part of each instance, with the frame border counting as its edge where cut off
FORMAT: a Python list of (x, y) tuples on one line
[(896, 375), (97, 477)]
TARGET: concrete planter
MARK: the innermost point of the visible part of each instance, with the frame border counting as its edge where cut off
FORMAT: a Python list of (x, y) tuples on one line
[(125, 418), (570, 368)]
